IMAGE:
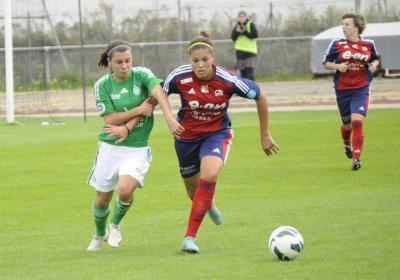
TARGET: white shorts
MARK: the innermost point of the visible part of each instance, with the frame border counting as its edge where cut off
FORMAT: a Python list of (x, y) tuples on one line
[(113, 161)]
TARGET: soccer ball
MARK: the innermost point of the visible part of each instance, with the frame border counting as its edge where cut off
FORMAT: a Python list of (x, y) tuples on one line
[(286, 243)]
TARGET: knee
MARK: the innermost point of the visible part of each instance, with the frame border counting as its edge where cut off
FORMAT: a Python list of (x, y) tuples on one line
[(210, 175), (125, 193), (101, 202)]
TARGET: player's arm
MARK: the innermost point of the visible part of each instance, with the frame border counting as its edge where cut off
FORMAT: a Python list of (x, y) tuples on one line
[(373, 66), (174, 127), (120, 118), (123, 130), (267, 142), (331, 57), (341, 67), (375, 59)]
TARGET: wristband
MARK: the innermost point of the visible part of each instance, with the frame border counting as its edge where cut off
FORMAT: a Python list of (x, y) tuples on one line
[(127, 128)]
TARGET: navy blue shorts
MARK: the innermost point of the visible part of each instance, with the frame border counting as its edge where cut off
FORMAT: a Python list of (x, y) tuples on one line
[(190, 152), (352, 101)]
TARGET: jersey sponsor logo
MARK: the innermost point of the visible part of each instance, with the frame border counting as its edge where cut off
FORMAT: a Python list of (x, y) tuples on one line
[(204, 89), (101, 107), (124, 90), (219, 92), (358, 56), (136, 90), (194, 104), (251, 94), (115, 96), (191, 91), (186, 81), (216, 150)]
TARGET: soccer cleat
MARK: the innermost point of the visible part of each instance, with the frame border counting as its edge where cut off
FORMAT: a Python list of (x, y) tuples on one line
[(356, 164), (97, 243), (215, 215), (114, 239), (189, 246), (348, 151)]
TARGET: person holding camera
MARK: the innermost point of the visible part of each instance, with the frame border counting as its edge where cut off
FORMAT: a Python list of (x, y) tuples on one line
[(244, 34)]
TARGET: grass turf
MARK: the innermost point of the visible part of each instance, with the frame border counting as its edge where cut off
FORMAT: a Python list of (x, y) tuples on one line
[(349, 220)]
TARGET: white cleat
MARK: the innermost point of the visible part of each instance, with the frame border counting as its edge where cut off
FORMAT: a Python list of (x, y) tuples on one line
[(114, 239), (97, 242)]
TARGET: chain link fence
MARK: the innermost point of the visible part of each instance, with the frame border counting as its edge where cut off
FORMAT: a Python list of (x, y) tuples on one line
[(44, 65)]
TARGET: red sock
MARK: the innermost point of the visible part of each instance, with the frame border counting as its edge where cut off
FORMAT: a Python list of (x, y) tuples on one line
[(202, 202), (358, 138), (345, 135)]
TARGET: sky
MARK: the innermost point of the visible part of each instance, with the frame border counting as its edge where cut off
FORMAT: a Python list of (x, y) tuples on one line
[(67, 10)]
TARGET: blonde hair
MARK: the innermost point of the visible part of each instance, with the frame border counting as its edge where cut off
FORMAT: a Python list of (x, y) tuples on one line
[(359, 20)]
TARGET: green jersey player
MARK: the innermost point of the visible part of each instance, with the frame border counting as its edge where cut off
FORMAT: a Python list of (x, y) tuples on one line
[(124, 98)]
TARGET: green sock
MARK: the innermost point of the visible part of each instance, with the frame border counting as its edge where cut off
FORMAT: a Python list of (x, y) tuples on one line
[(120, 210), (100, 219)]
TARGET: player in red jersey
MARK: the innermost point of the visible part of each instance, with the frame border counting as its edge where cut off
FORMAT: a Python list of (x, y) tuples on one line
[(202, 149), (355, 59)]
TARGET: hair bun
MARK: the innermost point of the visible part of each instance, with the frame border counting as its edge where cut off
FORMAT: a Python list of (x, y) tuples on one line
[(204, 33)]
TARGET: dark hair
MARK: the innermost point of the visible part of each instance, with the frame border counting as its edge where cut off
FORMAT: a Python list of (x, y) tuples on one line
[(359, 20), (106, 54), (201, 42), (242, 13)]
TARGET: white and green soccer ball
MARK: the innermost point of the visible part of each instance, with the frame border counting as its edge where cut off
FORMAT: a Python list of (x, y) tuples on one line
[(286, 243)]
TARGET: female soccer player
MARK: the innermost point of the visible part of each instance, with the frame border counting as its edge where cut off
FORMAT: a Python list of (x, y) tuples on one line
[(354, 59), (123, 157), (202, 149)]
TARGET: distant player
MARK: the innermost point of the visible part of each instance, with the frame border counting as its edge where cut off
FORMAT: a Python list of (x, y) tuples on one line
[(202, 149), (123, 157), (355, 59)]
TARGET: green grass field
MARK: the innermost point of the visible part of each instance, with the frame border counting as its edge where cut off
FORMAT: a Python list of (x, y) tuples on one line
[(349, 220)]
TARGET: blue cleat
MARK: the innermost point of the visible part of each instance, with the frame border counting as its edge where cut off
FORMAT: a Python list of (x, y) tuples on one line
[(189, 246), (215, 215)]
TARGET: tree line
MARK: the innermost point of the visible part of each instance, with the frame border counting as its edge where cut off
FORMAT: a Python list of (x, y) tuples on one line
[(148, 26)]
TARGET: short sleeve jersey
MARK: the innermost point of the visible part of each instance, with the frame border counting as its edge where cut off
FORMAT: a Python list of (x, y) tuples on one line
[(112, 96), (204, 104), (358, 55)]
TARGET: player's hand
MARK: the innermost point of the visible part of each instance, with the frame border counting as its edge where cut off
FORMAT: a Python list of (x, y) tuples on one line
[(373, 67), (116, 130), (343, 67), (146, 107), (175, 128), (268, 145)]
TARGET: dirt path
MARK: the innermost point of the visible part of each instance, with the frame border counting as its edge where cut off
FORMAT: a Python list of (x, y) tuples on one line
[(312, 94)]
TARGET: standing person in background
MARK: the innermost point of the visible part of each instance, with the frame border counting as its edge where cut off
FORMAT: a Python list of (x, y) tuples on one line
[(124, 100), (202, 149), (355, 59), (244, 34)]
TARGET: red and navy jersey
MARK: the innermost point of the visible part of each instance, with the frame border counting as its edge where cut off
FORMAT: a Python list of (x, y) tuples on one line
[(204, 104), (358, 54)]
